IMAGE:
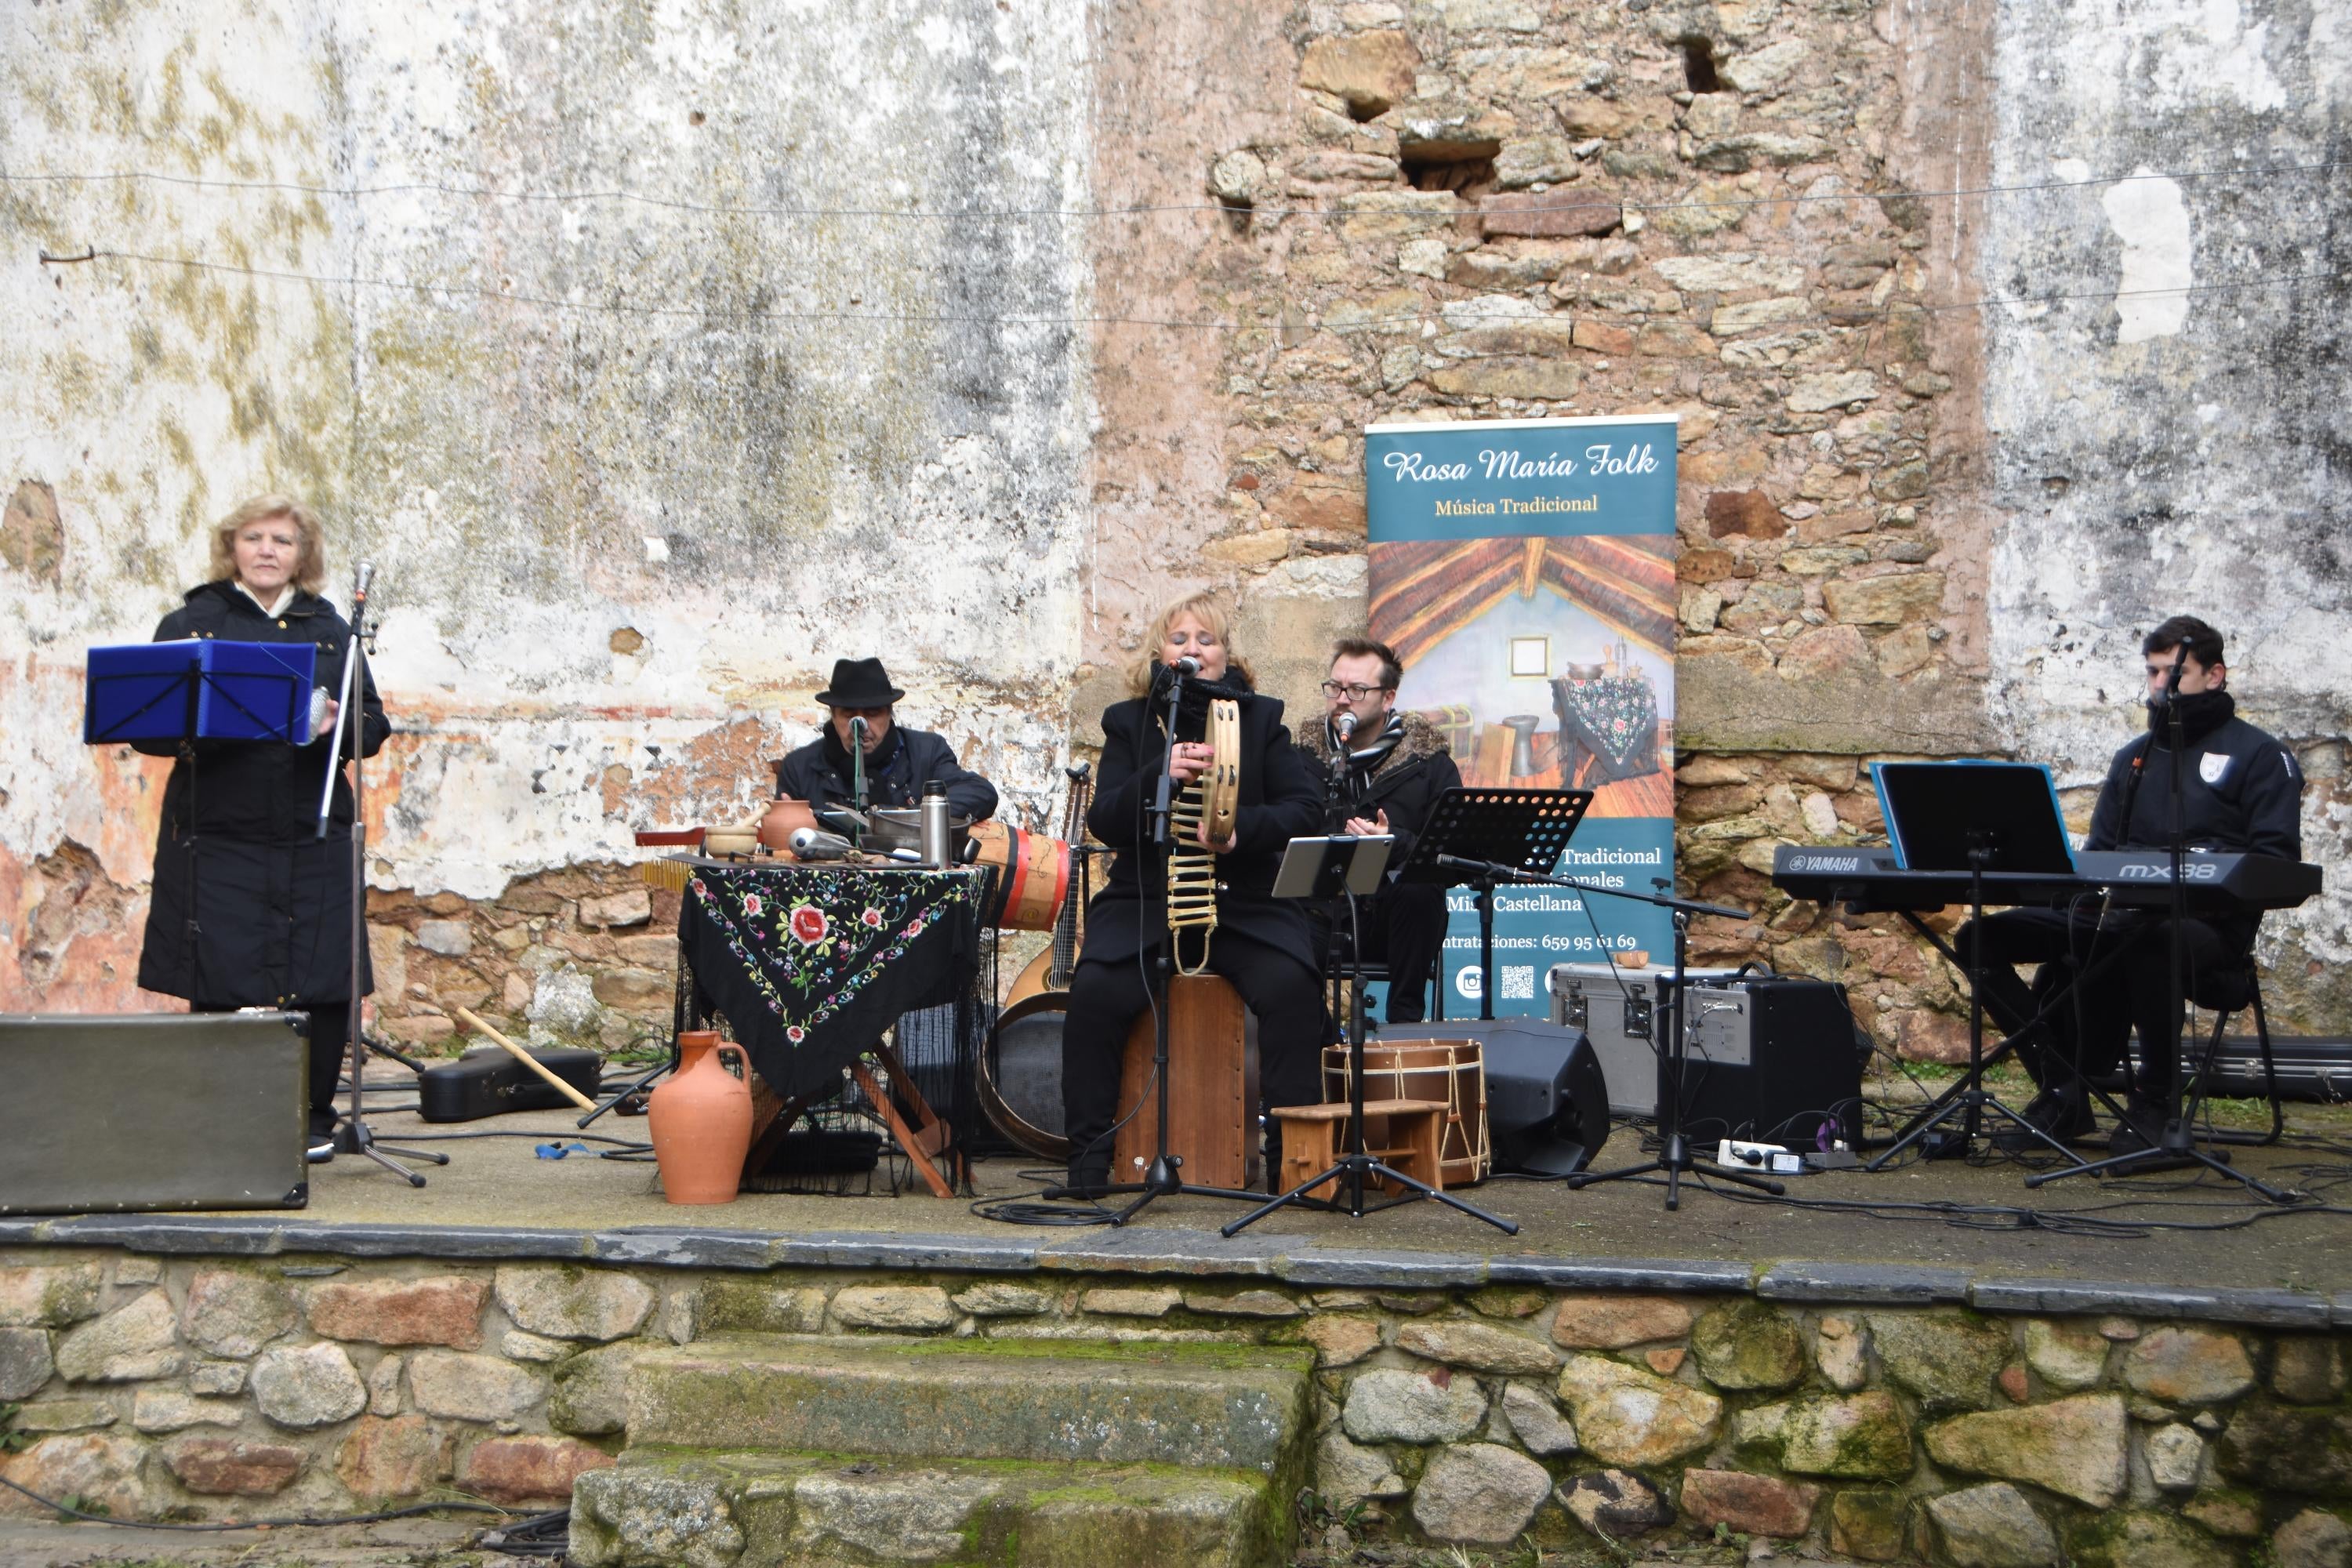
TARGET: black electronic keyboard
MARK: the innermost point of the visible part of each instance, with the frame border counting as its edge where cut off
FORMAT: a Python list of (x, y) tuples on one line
[(1866, 879)]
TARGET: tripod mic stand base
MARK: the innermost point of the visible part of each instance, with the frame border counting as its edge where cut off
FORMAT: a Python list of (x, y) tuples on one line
[(1676, 1161), (1354, 1173), (357, 1137)]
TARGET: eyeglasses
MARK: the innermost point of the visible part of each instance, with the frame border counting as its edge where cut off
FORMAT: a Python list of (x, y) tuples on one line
[(1354, 693)]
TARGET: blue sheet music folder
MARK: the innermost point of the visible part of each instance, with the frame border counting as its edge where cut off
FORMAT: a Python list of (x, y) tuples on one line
[(244, 690)]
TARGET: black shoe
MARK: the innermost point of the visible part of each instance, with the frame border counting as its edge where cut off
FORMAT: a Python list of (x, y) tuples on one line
[(1088, 1179), (2141, 1129), (2063, 1116), (318, 1148)]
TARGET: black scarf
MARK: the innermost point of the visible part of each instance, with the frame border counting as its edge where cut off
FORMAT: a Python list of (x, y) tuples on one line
[(877, 761), (2201, 713)]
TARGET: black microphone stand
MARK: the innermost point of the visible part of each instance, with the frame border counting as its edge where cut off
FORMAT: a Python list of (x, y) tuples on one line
[(2175, 1146), (353, 1136), (1164, 1177), (1674, 1156)]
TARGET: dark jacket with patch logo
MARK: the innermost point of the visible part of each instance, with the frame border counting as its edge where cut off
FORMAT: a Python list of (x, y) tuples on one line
[(2239, 790), (249, 906)]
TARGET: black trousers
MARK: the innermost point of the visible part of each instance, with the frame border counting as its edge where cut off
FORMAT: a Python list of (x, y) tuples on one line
[(2091, 1020), (1403, 926), (330, 1039), (1106, 998)]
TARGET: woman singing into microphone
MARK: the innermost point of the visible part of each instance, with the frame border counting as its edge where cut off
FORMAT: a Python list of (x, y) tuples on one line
[(251, 908), (1261, 942)]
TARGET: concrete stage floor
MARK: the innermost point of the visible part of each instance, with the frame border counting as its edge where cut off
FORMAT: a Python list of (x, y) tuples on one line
[(2079, 1244)]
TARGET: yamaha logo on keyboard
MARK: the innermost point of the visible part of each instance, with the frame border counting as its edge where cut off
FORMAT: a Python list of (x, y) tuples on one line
[(1826, 863)]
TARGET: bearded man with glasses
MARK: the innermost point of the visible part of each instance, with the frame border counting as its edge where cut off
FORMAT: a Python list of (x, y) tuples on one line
[(1380, 770)]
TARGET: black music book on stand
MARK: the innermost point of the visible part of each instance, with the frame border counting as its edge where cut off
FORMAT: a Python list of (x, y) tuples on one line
[(1940, 813), (1527, 830)]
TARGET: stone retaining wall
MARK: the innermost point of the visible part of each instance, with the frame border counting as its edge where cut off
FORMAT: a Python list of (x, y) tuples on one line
[(211, 1388)]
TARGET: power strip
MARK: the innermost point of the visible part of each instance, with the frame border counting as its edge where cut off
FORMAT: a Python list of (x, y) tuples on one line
[(1772, 1157)]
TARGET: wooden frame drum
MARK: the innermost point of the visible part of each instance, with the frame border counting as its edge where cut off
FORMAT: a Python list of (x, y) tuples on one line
[(1451, 1071)]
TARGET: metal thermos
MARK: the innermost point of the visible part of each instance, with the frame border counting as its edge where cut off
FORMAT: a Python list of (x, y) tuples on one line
[(936, 853)]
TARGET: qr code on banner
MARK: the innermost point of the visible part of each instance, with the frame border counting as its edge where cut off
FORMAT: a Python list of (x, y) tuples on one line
[(1519, 983)]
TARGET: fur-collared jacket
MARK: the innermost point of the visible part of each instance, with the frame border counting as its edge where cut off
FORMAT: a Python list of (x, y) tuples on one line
[(1402, 783)]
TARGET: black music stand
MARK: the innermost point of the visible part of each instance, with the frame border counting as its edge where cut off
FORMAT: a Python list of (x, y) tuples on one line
[(1493, 835), (1973, 818), (169, 705), (1322, 869)]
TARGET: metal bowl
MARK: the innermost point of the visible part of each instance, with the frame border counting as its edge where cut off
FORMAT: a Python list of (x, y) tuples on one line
[(901, 827)]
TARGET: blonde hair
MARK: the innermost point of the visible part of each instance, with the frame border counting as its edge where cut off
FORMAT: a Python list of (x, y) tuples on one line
[(1202, 608), (310, 562)]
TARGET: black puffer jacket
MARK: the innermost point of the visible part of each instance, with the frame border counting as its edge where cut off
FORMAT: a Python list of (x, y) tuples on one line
[(249, 906), (1279, 802)]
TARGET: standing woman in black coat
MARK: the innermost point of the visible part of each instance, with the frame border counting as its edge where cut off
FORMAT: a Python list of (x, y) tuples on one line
[(251, 908), (1261, 942)]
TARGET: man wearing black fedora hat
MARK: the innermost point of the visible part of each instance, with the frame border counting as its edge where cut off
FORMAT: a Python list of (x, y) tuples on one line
[(898, 763)]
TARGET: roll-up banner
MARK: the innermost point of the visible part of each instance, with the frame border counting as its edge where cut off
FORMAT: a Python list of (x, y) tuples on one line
[(1524, 572)]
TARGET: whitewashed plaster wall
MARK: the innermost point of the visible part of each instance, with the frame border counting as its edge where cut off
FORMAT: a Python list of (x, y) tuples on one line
[(635, 467), (2185, 446)]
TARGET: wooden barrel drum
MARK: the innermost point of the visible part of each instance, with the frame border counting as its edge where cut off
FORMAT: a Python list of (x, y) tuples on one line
[(1033, 876), (1452, 1071)]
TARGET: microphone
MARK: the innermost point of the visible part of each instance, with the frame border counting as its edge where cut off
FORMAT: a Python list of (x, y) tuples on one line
[(812, 844), (361, 580), (858, 727), (1345, 723), (1187, 667)]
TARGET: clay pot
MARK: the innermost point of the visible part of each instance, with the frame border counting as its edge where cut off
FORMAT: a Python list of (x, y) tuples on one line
[(693, 1045), (700, 1122), (784, 818)]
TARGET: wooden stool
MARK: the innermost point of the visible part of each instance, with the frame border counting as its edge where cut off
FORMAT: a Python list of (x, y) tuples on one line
[(1211, 1089), (1408, 1134)]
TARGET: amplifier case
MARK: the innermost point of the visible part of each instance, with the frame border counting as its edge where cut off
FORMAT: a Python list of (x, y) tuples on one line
[(108, 1113), (1624, 1013), (1772, 1058)]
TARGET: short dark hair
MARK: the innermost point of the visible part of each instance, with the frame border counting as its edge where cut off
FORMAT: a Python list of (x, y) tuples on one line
[(1356, 647), (2204, 644)]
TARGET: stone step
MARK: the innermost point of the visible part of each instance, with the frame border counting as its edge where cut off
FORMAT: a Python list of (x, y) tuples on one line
[(661, 1508), (1237, 1407)]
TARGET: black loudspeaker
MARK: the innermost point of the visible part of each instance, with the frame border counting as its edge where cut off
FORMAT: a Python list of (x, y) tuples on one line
[(110, 1112), (1547, 1102), (1773, 1060)]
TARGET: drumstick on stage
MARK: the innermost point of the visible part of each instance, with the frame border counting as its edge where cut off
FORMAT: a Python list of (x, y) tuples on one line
[(524, 1056)]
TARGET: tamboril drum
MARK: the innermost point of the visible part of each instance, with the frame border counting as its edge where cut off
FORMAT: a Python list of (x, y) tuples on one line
[(1033, 876), (1451, 1071)]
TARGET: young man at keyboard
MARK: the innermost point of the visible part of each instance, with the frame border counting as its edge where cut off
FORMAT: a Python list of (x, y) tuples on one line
[(2239, 790)]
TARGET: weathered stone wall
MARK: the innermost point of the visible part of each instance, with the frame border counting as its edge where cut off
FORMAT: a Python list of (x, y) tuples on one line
[(1926, 509), (657, 358), (196, 1387)]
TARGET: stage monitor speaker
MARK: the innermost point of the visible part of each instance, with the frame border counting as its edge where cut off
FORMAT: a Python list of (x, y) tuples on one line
[(1547, 1100), (105, 1113), (1773, 1059)]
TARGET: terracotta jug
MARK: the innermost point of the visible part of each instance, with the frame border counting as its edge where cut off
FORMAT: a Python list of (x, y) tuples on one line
[(700, 1120), (783, 819), (693, 1045)]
